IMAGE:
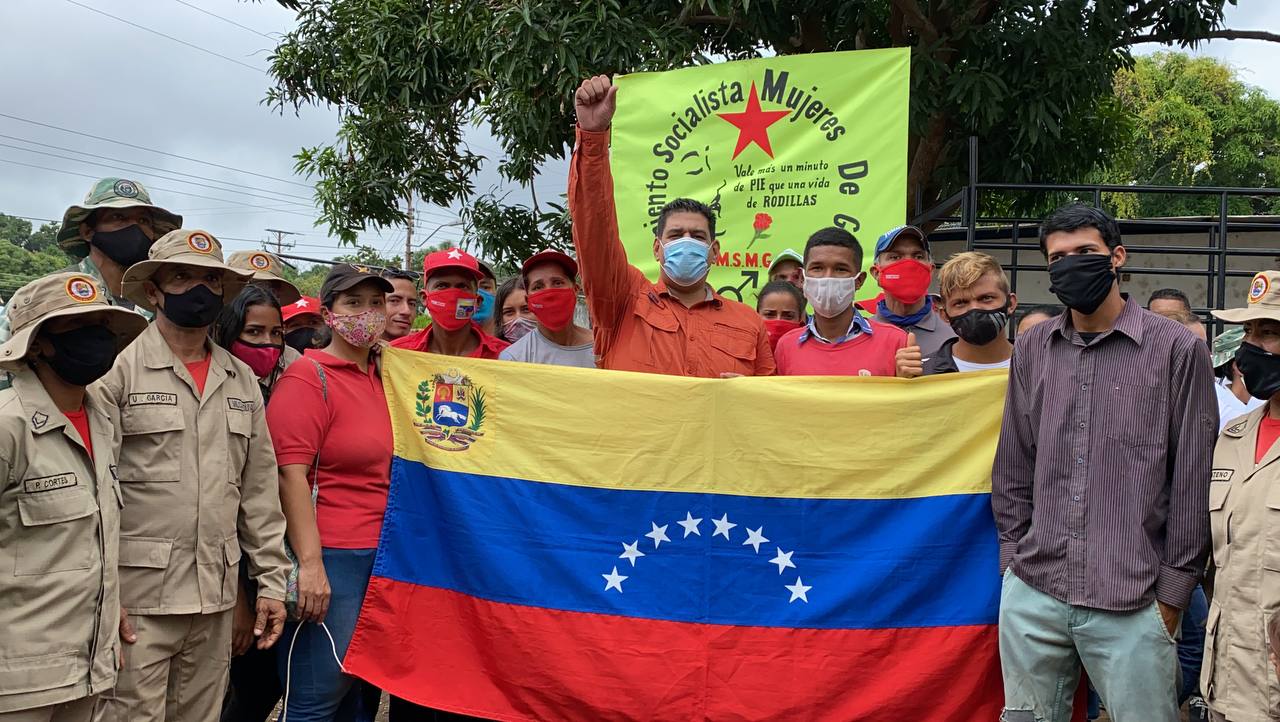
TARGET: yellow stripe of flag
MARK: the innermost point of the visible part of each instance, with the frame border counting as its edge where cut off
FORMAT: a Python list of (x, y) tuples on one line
[(774, 437)]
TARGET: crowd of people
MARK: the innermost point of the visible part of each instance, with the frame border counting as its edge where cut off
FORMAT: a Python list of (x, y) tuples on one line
[(195, 456)]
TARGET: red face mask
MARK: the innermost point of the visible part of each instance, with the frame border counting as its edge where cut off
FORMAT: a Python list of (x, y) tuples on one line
[(553, 307), (778, 328), (451, 308), (259, 357), (906, 280)]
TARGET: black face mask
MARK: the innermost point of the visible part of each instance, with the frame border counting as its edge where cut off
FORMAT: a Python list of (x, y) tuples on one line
[(300, 338), (980, 326), (126, 246), (1082, 282), (82, 355), (194, 308), (1261, 371)]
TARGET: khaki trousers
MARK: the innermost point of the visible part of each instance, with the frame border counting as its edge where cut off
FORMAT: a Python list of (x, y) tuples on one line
[(79, 710), (176, 672)]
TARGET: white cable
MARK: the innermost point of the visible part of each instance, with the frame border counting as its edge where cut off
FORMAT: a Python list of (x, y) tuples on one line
[(288, 664)]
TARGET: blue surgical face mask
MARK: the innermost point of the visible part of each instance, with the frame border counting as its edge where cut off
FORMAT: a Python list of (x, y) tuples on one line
[(684, 261), (485, 311)]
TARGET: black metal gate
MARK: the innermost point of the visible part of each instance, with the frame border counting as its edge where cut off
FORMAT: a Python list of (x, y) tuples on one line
[(1016, 238)]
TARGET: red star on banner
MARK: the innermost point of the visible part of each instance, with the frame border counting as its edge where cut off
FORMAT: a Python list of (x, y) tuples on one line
[(753, 123)]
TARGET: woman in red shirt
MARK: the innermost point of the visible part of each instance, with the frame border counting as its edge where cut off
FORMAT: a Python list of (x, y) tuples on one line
[(331, 430)]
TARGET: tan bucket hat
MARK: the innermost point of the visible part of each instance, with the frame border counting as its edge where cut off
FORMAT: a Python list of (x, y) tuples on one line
[(265, 267), (110, 193), (182, 247), (56, 296), (1263, 297)]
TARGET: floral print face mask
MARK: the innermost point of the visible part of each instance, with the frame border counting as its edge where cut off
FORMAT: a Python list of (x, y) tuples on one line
[(359, 329)]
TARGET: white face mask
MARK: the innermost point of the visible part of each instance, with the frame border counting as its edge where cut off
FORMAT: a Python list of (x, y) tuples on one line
[(830, 297)]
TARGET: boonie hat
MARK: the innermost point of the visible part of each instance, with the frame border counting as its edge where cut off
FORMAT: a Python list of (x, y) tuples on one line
[(1263, 298), (301, 307), (346, 276), (785, 255), (893, 234), (57, 296), (184, 247), (1226, 344), (451, 258), (550, 255), (265, 267), (110, 193)]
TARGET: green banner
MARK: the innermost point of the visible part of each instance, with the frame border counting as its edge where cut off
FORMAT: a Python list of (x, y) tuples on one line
[(780, 147)]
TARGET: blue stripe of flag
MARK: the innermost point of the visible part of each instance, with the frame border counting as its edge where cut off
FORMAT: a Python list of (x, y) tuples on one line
[(870, 564)]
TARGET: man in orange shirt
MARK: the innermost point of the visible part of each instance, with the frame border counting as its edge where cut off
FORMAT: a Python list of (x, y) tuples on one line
[(679, 325)]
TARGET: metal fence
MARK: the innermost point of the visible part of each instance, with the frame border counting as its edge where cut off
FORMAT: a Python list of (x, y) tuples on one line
[(1019, 236)]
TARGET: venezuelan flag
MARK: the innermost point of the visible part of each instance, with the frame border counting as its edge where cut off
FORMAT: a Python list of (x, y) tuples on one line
[(568, 544)]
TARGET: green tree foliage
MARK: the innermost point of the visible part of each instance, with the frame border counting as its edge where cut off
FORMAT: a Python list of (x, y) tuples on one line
[(1194, 123), (26, 256), (1032, 79)]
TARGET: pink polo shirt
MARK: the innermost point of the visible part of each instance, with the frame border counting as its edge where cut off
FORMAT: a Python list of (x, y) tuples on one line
[(866, 354)]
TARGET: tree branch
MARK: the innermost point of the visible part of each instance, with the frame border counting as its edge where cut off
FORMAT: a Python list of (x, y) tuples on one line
[(916, 20), (1212, 35)]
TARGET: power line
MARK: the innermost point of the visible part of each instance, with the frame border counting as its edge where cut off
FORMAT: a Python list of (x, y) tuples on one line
[(193, 46), (225, 20), (166, 190), (163, 177), (139, 165), (151, 150)]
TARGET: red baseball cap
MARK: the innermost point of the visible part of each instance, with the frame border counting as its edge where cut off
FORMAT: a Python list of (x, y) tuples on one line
[(301, 307), (551, 256), (451, 258)]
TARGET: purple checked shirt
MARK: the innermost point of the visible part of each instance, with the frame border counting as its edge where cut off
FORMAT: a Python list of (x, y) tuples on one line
[(1101, 478)]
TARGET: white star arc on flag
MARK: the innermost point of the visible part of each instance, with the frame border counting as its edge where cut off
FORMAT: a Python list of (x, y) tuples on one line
[(691, 525)]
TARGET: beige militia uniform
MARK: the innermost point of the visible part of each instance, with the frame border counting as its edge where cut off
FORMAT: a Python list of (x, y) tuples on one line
[(198, 477), (1244, 510), (59, 525)]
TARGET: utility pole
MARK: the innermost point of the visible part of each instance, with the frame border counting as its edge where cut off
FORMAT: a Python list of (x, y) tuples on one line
[(279, 242), (408, 237)]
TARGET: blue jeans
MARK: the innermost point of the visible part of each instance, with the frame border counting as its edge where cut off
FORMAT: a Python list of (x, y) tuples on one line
[(1191, 646), (1130, 657), (317, 689)]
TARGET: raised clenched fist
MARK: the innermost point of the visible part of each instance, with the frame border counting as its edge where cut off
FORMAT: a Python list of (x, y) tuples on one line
[(595, 103)]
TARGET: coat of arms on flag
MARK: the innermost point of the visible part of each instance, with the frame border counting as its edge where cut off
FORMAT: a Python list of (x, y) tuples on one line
[(450, 411)]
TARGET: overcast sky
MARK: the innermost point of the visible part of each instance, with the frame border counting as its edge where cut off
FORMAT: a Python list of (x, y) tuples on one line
[(197, 94)]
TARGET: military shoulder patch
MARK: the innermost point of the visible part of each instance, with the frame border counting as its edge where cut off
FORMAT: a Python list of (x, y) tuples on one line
[(1236, 430)]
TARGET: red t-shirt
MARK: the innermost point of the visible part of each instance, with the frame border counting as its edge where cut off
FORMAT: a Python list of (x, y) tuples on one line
[(80, 421), (199, 371), (352, 434), (863, 355), (1268, 432), (490, 346)]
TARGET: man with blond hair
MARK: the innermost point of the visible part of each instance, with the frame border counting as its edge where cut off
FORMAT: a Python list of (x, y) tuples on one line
[(977, 303)]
